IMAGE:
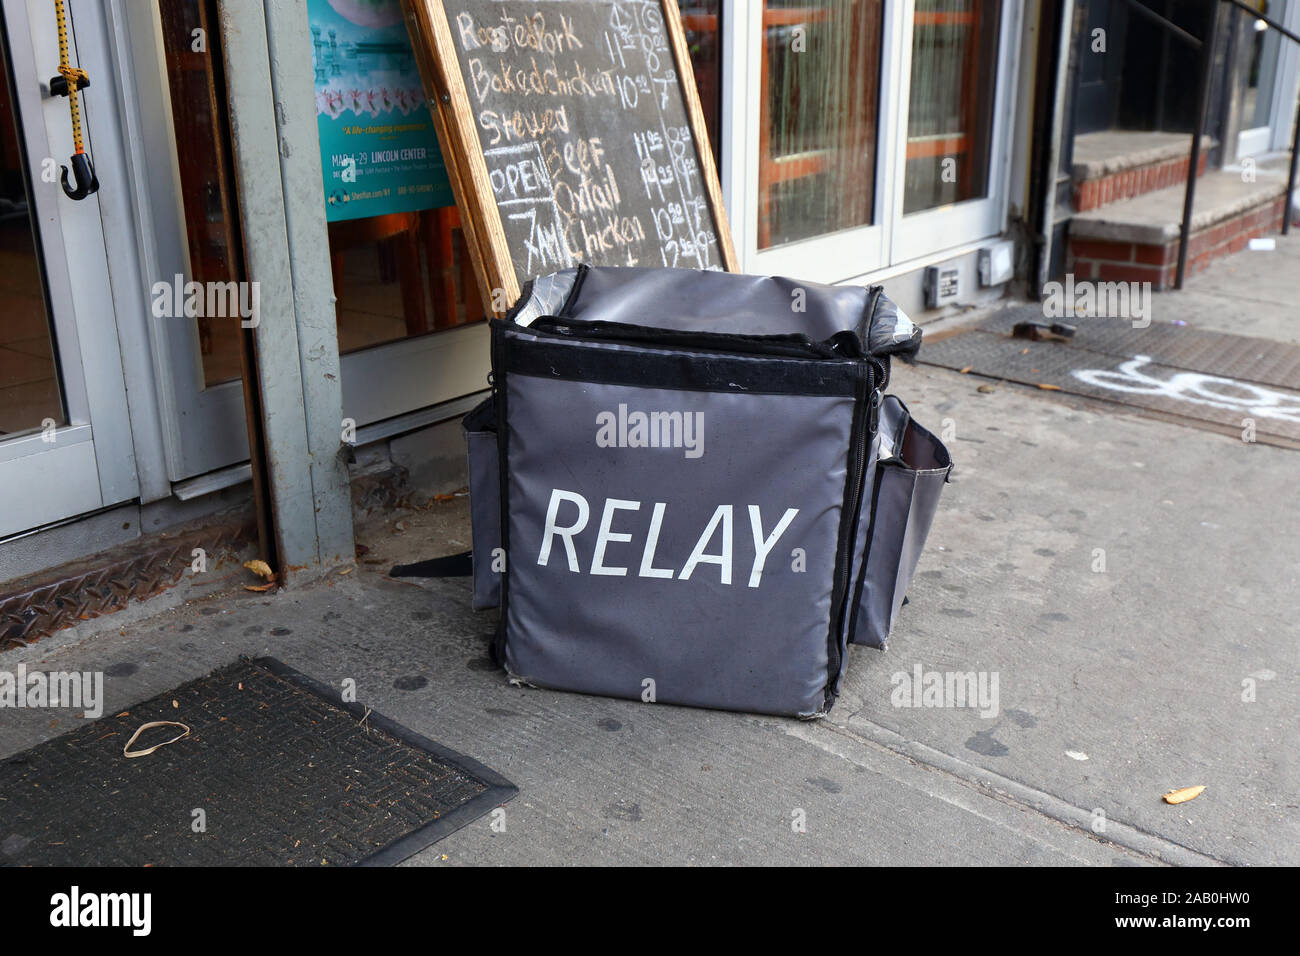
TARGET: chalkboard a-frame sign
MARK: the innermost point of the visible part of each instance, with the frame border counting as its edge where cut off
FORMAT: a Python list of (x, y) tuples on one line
[(572, 133)]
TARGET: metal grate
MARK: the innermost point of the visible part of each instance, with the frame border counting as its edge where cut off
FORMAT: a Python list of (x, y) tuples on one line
[(109, 581), (1231, 381)]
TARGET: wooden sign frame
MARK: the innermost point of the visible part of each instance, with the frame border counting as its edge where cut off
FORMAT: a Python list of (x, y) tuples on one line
[(440, 71)]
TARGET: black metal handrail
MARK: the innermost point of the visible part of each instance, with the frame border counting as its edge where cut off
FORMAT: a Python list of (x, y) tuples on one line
[(1206, 49)]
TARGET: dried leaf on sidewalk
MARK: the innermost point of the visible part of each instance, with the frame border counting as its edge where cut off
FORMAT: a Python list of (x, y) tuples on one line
[(965, 369), (259, 587), (261, 569), (1183, 795), (986, 388), (1049, 388)]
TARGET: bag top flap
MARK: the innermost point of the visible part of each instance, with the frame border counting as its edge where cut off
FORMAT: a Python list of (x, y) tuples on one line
[(690, 300)]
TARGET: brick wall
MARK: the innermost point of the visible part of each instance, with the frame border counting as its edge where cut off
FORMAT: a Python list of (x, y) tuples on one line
[(1158, 263), (1092, 193)]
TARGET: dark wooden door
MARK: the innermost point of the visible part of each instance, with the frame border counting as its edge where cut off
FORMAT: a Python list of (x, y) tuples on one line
[(1097, 96)]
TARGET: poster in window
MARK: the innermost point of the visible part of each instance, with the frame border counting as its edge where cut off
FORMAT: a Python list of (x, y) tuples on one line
[(379, 151)]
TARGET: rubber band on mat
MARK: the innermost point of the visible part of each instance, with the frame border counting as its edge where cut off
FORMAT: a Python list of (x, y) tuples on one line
[(126, 750)]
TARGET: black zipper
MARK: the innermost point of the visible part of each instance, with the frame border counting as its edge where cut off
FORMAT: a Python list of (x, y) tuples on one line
[(855, 598), (867, 413)]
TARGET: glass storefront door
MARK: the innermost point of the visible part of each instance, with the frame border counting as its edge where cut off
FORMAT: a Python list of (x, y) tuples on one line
[(810, 75), (951, 190), (409, 318), (65, 443), (865, 133), (950, 104)]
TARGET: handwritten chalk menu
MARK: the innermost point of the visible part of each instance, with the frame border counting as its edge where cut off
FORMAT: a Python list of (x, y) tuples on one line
[(577, 133)]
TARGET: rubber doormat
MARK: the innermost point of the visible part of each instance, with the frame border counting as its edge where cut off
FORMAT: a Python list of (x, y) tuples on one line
[(1196, 374), (275, 771)]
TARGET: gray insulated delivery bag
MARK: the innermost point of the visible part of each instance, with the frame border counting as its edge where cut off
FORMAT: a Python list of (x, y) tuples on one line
[(690, 487)]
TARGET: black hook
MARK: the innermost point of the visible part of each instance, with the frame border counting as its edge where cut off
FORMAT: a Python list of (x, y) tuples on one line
[(84, 173), (59, 85)]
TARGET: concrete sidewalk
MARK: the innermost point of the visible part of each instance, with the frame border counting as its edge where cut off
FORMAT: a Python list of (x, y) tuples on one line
[(1115, 686), (1255, 293)]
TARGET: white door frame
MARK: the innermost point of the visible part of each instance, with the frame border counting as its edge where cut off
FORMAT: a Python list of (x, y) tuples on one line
[(90, 462)]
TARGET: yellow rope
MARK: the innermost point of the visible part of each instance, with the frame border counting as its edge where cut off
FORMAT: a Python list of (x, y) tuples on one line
[(74, 76)]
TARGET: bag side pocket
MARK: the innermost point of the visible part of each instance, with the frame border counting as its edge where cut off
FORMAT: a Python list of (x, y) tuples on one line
[(484, 501), (904, 500)]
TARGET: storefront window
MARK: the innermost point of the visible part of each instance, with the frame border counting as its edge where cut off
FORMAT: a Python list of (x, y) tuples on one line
[(820, 107), (29, 385), (396, 275), (400, 262), (382, 265), (950, 110)]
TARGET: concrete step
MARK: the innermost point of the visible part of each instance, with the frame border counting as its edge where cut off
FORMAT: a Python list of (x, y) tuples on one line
[(1114, 165), (1137, 239)]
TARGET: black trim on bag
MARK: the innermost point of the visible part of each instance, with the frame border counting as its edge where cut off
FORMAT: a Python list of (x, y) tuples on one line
[(869, 313), (874, 294), (855, 477), (788, 344), (482, 417), (677, 369), (579, 278), (460, 565), (937, 449), (503, 484), (525, 294)]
